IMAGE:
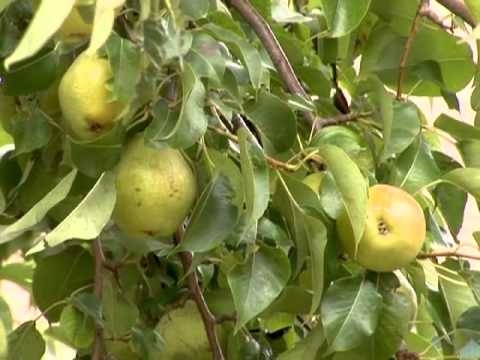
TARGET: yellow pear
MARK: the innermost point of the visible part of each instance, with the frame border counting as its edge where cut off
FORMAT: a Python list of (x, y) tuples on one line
[(156, 190), (84, 99), (394, 231)]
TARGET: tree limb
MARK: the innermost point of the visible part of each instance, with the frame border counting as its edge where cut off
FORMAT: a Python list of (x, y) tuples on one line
[(408, 46), (97, 353), (447, 253), (275, 51), (435, 18), (459, 8), (339, 119), (209, 320)]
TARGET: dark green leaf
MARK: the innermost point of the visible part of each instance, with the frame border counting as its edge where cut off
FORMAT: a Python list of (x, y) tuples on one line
[(77, 328), (256, 283), (26, 343), (344, 16), (90, 305), (350, 312), (195, 10), (56, 277), (458, 129), (30, 131), (274, 120), (307, 348), (213, 218)]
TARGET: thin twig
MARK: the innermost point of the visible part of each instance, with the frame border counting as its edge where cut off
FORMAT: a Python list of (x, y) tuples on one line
[(275, 51), (97, 353), (225, 318), (459, 8), (209, 320), (408, 47), (448, 253), (339, 119), (277, 164)]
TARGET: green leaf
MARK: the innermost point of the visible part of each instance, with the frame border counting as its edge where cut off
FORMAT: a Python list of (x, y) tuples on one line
[(30, 131), (20, 273), (90, 216), (474, 8), (415, 168), (437, 60), (90, 305), (458, 129), (470, 319), (102, 23), (48, 18), (147, 342), (344, 16), (213, 217), (316, 234), (36, 74), (242, 49), (5, 315), (57, 276), (308, 347), (77, 328), (274, 120), (469, 149), (125, 60), (38, 212), (206, 58), (120, 314), (195, 10), (403, 131), (95, 157), (350, 312), (351, 185), (423, 346), (397, 311), (257, 282), (26, 343), (181, 130), (255, 178), (467, 179), (4, 4), (3, 341)]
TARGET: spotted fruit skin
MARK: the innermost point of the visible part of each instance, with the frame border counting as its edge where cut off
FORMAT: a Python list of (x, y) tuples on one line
[(85, 100), (394, 232), (156, 190)]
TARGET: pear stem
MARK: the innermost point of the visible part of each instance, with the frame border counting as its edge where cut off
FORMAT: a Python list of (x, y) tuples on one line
[(209, 320)]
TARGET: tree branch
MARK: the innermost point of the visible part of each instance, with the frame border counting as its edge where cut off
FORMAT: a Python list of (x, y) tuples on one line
[(275, 51), (435, 18), (459, 8), (97, 353), (194, 287), (339, 119), (447, 253), (408, 46)]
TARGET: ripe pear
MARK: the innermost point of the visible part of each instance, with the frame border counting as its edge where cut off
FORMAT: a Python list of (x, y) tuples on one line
[(184, 334), (394, 231), (84, 99), (156, 190)]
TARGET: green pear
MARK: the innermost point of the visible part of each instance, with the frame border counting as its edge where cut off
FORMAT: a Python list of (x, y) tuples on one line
[(156, 190)]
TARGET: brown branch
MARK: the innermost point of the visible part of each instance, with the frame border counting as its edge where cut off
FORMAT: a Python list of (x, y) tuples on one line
[(209, 320), (97, 353), (459, 8), (275, 51), (226, 317), (338, 119), (447, 253), (408, 46)]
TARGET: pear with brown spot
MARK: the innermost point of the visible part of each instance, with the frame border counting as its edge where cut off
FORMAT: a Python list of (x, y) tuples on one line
[(156, 190)]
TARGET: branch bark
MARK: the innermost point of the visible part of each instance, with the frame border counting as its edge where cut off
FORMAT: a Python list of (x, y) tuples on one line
[(408, 46), (448, 253), (209, 320), (97, 353), (275, 51), (459, 8)]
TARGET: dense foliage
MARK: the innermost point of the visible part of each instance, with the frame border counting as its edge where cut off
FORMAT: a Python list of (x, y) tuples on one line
[(207, 101)]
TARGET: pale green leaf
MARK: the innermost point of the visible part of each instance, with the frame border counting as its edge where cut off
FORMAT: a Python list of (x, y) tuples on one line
[(47, 20), (38, 212), (25, 343), (344, 16), (102, 23), (90, 216)]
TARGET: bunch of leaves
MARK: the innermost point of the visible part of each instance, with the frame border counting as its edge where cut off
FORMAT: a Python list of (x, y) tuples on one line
[(264, 244)]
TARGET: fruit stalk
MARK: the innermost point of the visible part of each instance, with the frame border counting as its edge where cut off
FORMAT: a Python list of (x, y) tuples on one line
[(209, 320)]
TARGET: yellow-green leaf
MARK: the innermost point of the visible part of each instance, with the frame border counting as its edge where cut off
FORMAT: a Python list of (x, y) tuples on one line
[(46, 21)]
